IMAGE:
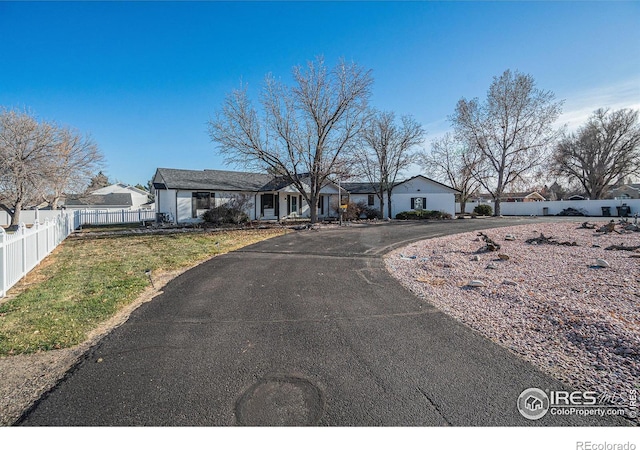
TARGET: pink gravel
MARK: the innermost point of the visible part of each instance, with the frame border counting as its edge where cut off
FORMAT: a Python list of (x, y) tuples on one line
[(546, 303)]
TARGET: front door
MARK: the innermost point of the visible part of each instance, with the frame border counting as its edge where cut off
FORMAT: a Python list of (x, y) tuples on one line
[(292, 200)]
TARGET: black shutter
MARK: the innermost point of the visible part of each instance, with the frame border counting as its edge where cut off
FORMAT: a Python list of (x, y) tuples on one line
[(424, 202), (413, 203)]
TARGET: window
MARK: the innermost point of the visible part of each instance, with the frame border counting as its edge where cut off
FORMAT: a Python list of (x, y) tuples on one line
[(418, 202), (200, 201), (370, 199), (268, 202)]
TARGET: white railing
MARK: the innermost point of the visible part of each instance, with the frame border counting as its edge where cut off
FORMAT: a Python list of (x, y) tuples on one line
[(23, 250), (101, 217)]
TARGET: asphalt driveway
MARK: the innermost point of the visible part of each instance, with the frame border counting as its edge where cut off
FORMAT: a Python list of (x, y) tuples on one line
[(305, 329)]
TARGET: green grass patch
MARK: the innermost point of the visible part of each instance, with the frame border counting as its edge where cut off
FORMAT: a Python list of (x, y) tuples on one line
[(86, 281)]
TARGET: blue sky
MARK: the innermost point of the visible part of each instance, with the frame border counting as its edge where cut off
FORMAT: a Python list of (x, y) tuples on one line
[(144, 77)]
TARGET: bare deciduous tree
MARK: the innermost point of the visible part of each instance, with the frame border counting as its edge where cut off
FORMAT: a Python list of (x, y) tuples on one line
[(451, 162), (303, 131), (71, 164), (25, 146), (40, 160), (603, 151), (387, 151), (511, 131)]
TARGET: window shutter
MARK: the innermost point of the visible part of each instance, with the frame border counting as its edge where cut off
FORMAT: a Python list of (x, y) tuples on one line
[(413, 203), (424, 202)]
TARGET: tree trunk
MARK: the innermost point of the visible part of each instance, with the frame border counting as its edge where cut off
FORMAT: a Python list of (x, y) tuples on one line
[(313, 207), (381, 198), (389, 203), (496, 211), (15, 217), (463, 205)]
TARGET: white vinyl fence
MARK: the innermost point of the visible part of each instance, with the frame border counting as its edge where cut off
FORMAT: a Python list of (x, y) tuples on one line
[(588, 207), (101, 217), (23, 250), (84, 216)]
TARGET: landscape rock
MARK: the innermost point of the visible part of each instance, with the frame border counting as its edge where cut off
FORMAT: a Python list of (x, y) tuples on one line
[(503, 257), (491, 266), (475, 283), (510, 283), (509, 237), (602, 263)]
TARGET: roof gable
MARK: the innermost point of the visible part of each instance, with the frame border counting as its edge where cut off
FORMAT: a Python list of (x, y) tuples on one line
[(436, 184)]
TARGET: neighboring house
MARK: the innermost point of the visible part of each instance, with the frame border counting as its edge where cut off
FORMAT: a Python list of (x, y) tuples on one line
[(625, 191), (514, 197), (116, 196), (184, 195)]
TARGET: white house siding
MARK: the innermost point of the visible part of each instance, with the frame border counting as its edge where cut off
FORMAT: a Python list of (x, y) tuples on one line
[(435, 202), (364, 198), (166, 202), (439, 197)]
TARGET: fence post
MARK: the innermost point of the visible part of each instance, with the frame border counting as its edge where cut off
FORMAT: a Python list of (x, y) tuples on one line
[(21, 230), (3, 262), (36, 233)]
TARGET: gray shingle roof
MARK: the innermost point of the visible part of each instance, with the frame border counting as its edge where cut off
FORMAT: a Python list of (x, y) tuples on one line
[(105, 200), (360, 188), (218, 180)]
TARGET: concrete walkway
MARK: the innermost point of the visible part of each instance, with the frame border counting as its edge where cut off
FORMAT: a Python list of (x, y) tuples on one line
[(305, 329)]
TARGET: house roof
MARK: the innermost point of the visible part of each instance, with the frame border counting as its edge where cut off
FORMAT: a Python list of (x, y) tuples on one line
[(372, 188), (106, 200), (428, 179), (118, 188), (360, 188), (225, 180), (219, 180)]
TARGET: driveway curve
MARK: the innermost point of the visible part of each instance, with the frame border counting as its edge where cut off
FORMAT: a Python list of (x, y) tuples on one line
[(304, 329)]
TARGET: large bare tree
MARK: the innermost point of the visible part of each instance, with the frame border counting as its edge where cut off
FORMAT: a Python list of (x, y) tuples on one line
[(25, 147), (452, 162), (387, 151), (603, 151), (512, 130), (73, 160), (39, 160), (303, 131)]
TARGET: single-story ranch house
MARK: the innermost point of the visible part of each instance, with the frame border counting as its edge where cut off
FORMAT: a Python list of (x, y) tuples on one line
[(182, 196)]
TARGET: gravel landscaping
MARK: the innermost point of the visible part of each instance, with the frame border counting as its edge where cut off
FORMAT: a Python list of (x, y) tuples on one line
[(554, 305)]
